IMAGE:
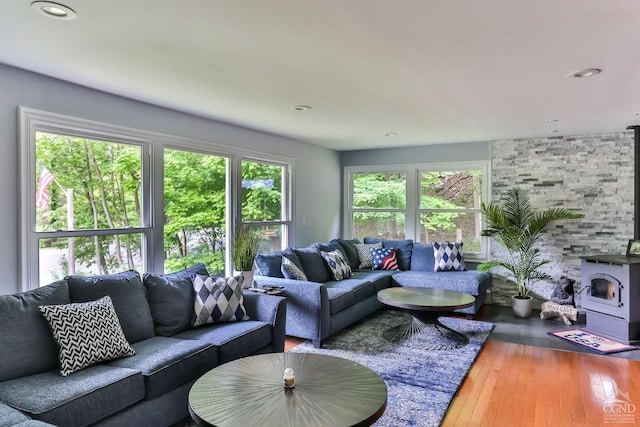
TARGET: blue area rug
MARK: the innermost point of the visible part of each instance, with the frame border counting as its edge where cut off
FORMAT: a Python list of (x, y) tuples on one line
[(420, 383)]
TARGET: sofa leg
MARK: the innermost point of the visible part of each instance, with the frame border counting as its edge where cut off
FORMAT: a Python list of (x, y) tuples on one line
[(317, 343)]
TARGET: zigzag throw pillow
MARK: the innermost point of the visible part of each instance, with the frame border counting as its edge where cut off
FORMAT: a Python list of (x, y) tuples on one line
[(87, 333), (218, 299), (291, 271), (384, 259), (448, 256)]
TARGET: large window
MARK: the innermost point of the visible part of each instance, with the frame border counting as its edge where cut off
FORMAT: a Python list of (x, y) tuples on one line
[(426, 203), (100, 199)]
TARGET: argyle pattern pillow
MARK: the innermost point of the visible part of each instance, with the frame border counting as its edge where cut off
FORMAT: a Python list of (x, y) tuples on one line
[(339, 266), (364, 253), (384, 259), (218, 299), (448, 256), (87, 333), (291, 271)]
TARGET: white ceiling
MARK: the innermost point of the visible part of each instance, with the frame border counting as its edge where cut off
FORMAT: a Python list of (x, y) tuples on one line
[(431, 71)]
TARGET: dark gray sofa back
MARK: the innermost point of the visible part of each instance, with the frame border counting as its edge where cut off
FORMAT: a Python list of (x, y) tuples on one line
[(127, 294), (27, 346)]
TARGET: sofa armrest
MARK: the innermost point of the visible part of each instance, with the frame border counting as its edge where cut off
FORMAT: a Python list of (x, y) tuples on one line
[(270, 309), (307, 306)]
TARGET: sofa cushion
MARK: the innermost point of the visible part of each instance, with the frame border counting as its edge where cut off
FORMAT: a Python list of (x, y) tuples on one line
[(233, 340), (337, 264), (269, 264), (10, 416), (313, 264), (364, 253), (404, 247), (339, 299), (166, 362), (330, 246), (362, 289), (381, 279), (470, 281), (384, 259), (84, 397), (351, 252), (422, 258), (171, 298), (19, 313), (448, 256), (291, 271), (218, 299), (127, 295), (87, 333)]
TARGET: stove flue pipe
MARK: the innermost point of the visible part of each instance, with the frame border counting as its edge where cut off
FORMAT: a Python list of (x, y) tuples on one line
[(636, 182)]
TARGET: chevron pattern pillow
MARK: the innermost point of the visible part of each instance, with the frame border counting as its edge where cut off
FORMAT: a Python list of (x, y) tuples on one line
[(384, 259), (448, 256), (291, 271), (218, 299), (340, 268), (87, 333)]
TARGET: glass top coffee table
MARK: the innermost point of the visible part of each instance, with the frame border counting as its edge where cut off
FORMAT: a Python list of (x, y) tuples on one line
[(328, 391), (425, 306)]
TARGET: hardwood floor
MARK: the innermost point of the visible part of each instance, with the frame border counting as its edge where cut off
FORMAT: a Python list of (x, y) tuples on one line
[(519, 385)]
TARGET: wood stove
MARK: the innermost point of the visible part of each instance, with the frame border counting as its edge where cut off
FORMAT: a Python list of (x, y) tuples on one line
[(611, 296)]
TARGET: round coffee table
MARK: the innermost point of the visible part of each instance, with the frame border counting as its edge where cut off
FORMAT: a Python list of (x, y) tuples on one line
[(328, 391), (426, 305)]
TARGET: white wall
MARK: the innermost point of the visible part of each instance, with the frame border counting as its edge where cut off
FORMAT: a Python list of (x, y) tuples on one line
[(317, 171)]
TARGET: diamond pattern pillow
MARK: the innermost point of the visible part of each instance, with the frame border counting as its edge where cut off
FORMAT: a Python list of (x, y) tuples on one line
[(218, 299), (364, 253), (448, 256), (340, 268), (87, 333), (291, 271), (384, 259)]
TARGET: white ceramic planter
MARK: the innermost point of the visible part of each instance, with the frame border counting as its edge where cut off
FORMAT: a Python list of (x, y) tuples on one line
[(522, 306)]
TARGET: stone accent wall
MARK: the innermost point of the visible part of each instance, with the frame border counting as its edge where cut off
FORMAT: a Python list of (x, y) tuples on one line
[(592, 174)]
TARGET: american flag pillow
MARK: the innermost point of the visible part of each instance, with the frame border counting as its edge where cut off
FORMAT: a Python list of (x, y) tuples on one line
[(384, 259)]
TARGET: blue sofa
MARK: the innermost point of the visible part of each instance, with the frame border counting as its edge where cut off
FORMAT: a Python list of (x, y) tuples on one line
[(320, 306), (149, 388)]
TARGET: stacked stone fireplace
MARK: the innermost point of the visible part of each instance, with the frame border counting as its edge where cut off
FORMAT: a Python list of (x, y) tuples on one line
[(611, 283)]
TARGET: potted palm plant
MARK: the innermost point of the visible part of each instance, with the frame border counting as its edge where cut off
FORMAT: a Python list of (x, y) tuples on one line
[(518, 228), (246, 242)]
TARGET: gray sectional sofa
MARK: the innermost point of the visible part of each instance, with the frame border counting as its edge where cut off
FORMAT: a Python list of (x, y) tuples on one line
[(148, 388), (320, 306)]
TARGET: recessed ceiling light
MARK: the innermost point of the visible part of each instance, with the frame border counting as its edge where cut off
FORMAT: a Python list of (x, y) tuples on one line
[(587, 72), (54, 10), (302, 107), (390, 134), (551, 121)]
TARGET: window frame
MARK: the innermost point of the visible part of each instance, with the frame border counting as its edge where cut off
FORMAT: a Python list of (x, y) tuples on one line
[(152, 185), (413, 210)]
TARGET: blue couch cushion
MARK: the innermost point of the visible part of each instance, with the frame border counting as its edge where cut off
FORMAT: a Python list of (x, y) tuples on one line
[(422, 258), (10, 416), (234, 339), (269, 264), (167, 363), (403, 253), (381, 279), (313, 264), (362, 289), (84, 397), (171, 298), (351, 252), (27, 345), (127, 294), (470, 281), (331, 246), (339, 299)]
